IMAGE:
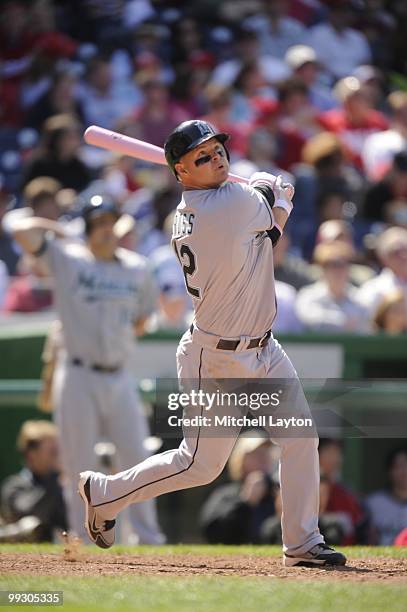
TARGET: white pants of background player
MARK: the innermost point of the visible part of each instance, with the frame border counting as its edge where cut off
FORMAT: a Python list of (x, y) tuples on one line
[(201, 457), (90, 405)]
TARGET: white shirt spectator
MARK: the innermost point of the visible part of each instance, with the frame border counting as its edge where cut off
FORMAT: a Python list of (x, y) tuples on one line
[(136, 12), (175, 305), (105, 110), (339, 52), (167, 271), (276, 42), (373, 291), (379, 150), (318, 310), (271, 68), (388, 514), (286, 320)]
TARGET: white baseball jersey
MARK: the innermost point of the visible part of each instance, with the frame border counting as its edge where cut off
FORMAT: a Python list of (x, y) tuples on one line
[(227, 258), (98, 301)]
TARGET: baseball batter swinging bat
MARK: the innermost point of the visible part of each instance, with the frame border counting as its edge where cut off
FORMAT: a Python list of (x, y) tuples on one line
[(119, 143)]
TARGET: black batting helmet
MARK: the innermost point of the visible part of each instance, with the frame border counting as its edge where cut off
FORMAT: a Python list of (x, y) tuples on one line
[(186, 137), (97, 205)]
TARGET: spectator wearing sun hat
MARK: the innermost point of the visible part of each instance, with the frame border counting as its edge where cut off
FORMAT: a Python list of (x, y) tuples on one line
[(392, 252), (334, 230), (304, 63), (390, 316), (331, 303)]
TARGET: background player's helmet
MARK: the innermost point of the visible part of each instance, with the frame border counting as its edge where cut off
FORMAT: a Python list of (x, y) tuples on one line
[(97, 205), (186, 137)]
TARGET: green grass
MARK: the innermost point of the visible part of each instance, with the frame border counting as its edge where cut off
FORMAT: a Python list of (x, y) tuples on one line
[(211, 593), (206, 549), (207, 594)]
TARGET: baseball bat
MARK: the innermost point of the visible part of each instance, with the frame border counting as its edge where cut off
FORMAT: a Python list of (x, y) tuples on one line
[(125, 145)]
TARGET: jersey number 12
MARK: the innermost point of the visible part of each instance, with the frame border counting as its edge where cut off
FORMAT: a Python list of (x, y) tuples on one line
[(187, 260)]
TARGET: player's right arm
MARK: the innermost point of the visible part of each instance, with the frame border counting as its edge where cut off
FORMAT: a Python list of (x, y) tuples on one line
[(30, 233)]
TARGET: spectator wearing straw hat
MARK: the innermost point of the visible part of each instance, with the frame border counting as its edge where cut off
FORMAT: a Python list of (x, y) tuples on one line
[(304, 64), (392, 253), (390, 316), (331, 303)]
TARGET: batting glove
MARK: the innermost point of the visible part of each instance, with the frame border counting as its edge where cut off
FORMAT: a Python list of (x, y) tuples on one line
[(283, 192)]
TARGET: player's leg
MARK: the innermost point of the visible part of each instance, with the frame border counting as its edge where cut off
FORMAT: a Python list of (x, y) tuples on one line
[(198, 460), (299, 467), (76, 418), (127, 428)]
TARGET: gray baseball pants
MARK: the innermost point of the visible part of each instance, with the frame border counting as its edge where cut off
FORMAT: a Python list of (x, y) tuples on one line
[(203, 453)]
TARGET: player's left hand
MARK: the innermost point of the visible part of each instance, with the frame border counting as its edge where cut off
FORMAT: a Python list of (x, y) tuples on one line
[(276, 183), (283, 190)]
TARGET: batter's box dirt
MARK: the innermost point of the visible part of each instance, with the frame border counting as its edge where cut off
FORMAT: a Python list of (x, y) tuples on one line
[(357, 570)]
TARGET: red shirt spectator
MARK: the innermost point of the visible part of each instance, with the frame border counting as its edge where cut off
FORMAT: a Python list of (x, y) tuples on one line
[(401, 539), (157, 117), (355, 121), (341, 500), (288, 139), (25, 295), (23, 36)]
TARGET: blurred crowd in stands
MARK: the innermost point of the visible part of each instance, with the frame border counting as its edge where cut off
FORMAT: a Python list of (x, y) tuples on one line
[(245, 508), (248, 508), (312, 89)]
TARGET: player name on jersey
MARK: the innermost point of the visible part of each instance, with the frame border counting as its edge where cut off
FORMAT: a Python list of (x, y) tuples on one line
[(183, 224)]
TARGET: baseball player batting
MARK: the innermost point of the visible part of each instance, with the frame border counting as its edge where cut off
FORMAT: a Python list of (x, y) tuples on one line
[(223, 236)]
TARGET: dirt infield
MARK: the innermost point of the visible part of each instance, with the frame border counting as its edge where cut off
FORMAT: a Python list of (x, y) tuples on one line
[(40, 564)]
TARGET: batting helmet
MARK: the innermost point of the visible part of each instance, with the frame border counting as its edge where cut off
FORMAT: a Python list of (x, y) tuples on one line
[(97, 205), (187, 136)]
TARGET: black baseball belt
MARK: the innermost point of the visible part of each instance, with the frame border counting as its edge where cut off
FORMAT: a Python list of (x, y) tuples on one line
[(96, 367), (231, 345)]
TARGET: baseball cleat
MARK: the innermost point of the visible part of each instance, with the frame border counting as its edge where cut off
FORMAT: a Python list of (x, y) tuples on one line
[(318, 555), (100, 530)]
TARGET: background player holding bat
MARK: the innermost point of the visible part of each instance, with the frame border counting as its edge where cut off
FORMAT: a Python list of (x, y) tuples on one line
[(224, 235)]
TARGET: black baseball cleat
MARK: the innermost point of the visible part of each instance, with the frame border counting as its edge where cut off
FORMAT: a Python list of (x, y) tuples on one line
[(318, 555), (100, 530)]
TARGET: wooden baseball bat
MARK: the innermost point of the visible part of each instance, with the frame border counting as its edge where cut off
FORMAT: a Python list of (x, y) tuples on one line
[(119, 143)]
